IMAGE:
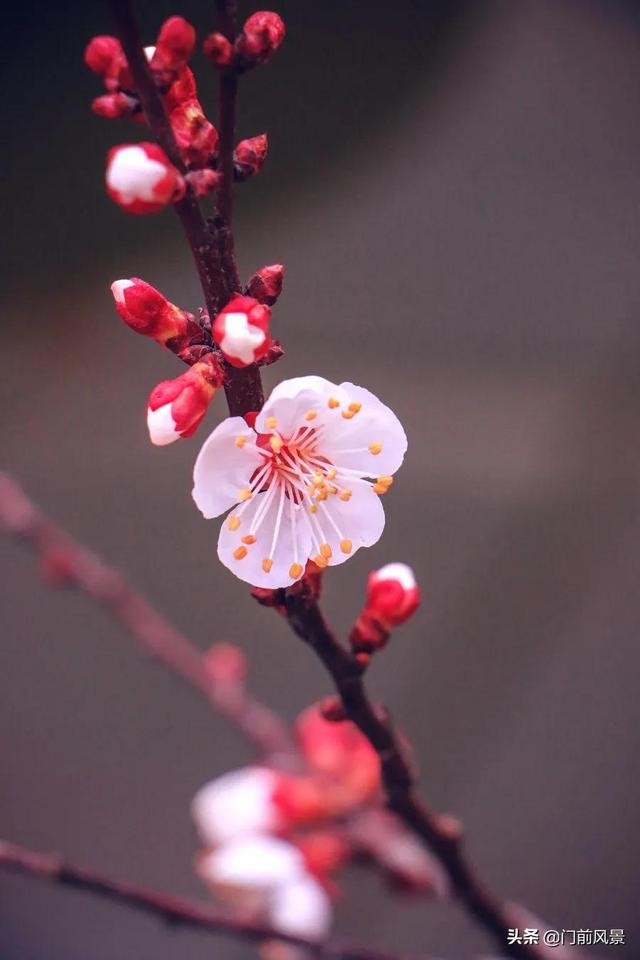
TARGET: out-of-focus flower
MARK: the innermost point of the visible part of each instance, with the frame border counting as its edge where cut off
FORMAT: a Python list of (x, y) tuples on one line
[(392, 594), (236, 805), (218, 49), (241, 330), (104, 55), (256, 862), (301, 908), (175, 44), (176, 408), (306, 478), (141, 179)]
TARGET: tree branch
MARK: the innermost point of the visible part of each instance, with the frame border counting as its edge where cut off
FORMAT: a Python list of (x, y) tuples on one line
[(67, 562), (442, 835), (172, 910), (211, 241)]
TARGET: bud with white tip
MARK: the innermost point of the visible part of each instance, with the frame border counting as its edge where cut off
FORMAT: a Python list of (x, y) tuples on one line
[(176, 408), (148, 312), (141, 179), (241, 330), (393, 594)]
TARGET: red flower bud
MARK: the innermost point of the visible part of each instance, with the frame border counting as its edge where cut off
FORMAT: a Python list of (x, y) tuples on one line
[(147, 311), (392, 594), (195, 136), (266, 284), (218, 49), (141, 179), (176, 408), (114, 105), (261, 35), (202, 182), (175, 43), (183, 88), (249, 156), (104, 56), (241, 330)]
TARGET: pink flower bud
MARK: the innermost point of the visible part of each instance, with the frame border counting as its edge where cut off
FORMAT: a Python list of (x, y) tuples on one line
[(218, 49), (392, 594), (147, 311), (241, 330), (104, 56), (266, 284), (141, 179), (195, 136), (176, 408), (175, 44), (114, 105), (261, 35), (249, 156)]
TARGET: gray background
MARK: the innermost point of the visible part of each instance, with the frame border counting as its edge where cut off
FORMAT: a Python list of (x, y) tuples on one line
[(454, 190)]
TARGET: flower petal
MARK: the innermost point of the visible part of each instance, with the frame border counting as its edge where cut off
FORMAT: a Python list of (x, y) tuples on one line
[(292, 399), (301, 908), (349, 442), (223, 468), (347, 526), (258, 520)]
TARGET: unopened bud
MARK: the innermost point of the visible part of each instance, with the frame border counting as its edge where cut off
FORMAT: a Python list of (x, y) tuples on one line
[(195, 136), (141, 179), (218, 49), (183, 88), (392, 594), (241, 330), (266, 284), (249, 156), (115, 105), (261, 35), (147, 311), (202, 182), (176, 408), (175, 43), (104, 56)]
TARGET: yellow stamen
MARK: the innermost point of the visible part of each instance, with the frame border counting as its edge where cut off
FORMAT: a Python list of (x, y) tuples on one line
[(270, 422), (245, 494), (313, 508), (355, 407), (295, 571), (375, 447), (248, 539), (331, 474), (333, 490), (332, 403), (233, 523), (240, 553), (380, 488), (276, 444), (346, 546), (325, 550), (348, 414), (345, 495), (267, 563), (311, 415), (321, 494), (240, 442), (320, 561), (386, 480)]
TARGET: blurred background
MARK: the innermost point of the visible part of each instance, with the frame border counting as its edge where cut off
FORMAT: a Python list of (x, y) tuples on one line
[(453, 188)]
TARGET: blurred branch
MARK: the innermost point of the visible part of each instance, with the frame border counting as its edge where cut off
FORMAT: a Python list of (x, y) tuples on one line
[(172, 910), (442, 835), (66, 562)]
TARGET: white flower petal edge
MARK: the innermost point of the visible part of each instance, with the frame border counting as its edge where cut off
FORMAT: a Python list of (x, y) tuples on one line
[(306, 480)]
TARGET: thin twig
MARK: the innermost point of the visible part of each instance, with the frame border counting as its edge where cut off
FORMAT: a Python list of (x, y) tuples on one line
[(68, 562), (172, 910), (442, 835)]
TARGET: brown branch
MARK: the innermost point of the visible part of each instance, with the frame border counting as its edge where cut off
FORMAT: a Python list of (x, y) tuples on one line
[(68, 562), (442, 835), (211, 241), (172, 910)]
